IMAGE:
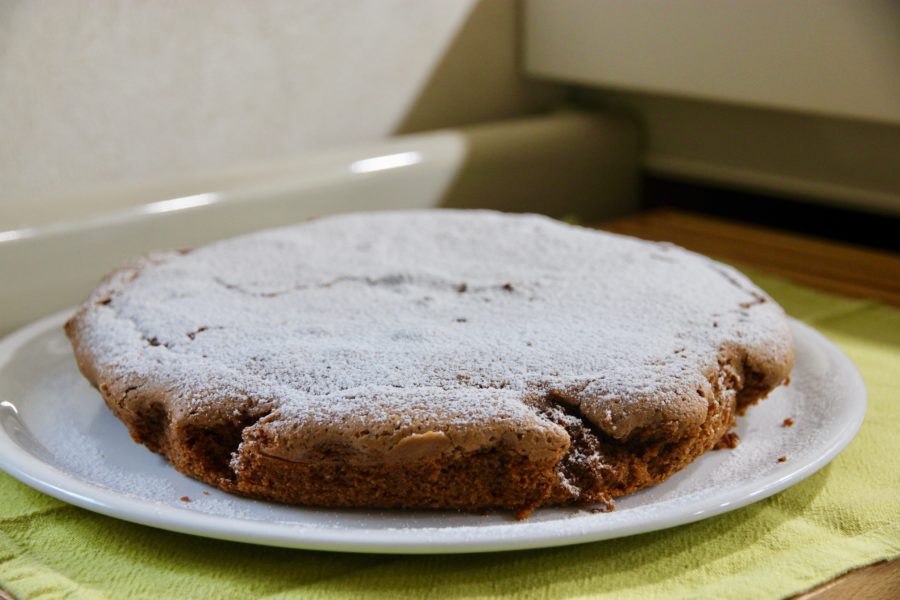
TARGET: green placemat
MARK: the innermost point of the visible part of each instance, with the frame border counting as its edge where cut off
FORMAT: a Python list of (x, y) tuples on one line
[(845, 516)]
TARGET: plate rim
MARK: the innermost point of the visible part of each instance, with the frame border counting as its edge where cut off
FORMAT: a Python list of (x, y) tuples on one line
[(44, 477)]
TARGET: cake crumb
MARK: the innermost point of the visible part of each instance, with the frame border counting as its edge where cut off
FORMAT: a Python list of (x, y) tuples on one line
[(523, 513), (605, 505), (730, 440), (205, 493), (782, 459), (789, 422), (185, 499)]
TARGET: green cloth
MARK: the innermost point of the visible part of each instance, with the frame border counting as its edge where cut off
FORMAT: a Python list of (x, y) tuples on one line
[(845, 516)]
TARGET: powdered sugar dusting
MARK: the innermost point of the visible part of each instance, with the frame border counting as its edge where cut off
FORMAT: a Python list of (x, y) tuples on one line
[(458, 314)]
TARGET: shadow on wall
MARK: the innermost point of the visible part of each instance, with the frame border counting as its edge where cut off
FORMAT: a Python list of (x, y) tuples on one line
[(582, 166), (479, 76)]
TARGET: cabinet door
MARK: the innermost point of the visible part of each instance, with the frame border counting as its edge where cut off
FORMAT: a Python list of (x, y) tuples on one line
[(828, 57)]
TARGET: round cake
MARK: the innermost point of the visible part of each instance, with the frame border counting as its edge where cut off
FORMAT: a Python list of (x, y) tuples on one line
[(430, 359)]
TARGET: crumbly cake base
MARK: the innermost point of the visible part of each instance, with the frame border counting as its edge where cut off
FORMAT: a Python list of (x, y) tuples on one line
[(595, 468), (486, 479)]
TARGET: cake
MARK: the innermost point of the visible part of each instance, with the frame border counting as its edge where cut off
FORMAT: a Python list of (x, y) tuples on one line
[(433, 359)]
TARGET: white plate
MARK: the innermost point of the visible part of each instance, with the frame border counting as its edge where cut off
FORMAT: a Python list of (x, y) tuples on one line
[(58, 437)]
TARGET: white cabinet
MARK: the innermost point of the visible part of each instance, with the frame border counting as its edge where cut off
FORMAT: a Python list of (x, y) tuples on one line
[(791, 97), (831, 57)]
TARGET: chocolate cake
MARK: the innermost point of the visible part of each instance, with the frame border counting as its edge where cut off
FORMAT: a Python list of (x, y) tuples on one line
[(430, 359)]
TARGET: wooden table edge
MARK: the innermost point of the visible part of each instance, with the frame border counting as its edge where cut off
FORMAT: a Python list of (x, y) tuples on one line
[(830, 266)]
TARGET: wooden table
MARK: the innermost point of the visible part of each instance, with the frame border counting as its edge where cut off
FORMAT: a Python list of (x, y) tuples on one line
[(830, 266)]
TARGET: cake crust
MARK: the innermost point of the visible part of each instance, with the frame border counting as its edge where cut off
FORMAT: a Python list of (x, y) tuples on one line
[(430, 359)]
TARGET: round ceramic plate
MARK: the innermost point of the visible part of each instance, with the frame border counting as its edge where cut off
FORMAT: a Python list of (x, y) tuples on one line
[(57, 436)]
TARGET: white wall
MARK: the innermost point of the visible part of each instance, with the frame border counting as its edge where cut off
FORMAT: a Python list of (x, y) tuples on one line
[(97, 93)]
